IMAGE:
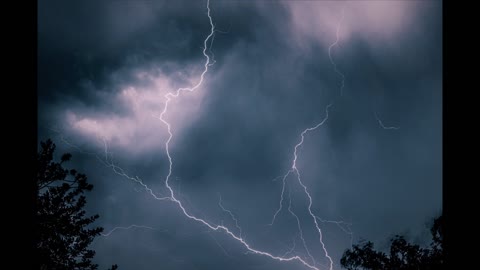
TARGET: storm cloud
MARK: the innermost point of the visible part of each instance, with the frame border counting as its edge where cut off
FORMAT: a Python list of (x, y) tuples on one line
[(104, 68)]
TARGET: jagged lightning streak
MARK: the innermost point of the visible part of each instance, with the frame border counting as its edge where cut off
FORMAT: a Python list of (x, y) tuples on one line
[(295, 170), (118, 170), (344, 226), (330, 52), (291, 249), (299, 228), (128, 228), (284, 179), (172, 197), (69, 144), (231, 215), (107, 160), (211, 44), (169, 97), (381, 123)]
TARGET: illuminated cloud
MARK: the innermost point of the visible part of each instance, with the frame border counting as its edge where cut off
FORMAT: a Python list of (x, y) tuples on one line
[(375, 22), (137, 129)]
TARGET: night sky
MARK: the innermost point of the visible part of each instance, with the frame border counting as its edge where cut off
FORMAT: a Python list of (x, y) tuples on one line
[(276, 68)]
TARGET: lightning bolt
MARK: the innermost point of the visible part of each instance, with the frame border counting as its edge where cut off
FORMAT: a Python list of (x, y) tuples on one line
[(294, 169), (172, 197), (381, 123), (128, 228), (291, 249), (121, 172), (231, 215), (299, 227), (68, 143), (337, 35), (169, 97), (297, 172), (344, 226), (107, 160), (281, 197)]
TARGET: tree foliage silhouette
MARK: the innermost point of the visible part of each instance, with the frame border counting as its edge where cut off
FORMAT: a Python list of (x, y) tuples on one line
[(402, 255), (62, 227)]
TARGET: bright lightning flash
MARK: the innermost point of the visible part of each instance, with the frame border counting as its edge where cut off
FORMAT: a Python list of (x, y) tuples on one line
[(311, 264), (337, 35), (172, 197)]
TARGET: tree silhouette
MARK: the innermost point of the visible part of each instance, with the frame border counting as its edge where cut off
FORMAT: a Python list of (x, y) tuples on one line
[(402, 255), (61, 228)]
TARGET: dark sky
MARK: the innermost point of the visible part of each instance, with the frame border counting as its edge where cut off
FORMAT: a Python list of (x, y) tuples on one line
[(104, 68)]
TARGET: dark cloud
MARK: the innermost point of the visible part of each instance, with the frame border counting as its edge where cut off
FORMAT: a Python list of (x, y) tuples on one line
[(101, 64)]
